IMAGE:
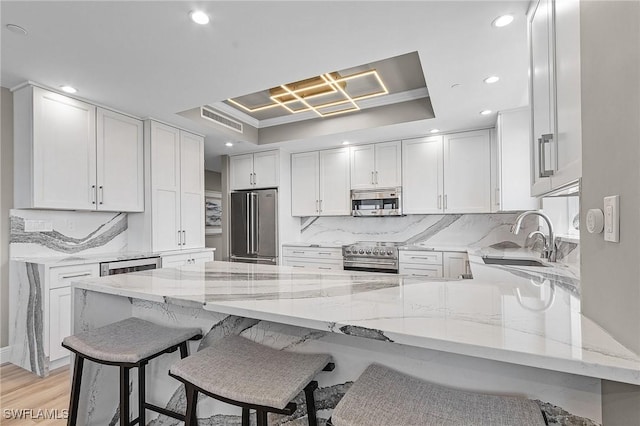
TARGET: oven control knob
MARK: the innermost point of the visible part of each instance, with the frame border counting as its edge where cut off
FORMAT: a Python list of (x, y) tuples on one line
[(389, 252), (361, 251), (347, 251), (375, 252), (368, 251)]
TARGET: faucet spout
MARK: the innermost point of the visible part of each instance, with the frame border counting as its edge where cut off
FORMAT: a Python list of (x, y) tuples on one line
[(550, 252)]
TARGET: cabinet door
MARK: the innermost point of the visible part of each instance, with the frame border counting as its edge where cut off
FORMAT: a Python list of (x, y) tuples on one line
[(64, 152), (165, 189), (541, 92), (467, 172), (422, 175), (335, 197), (266, 169), (241, 172), (362, 166), (192, 190), (59, 321), (304, 184), (388, 160), (120, 162), (455, 264)]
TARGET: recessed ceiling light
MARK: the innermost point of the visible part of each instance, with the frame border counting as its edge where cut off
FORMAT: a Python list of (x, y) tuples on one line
[(486, 112), (345, 142), (17, 29), (199, 17), (502, 21), (228, 144), (68, 89), (434, 130), (492, 79)]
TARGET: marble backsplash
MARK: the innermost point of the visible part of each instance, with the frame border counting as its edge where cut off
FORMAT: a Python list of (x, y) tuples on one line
[(73, 233)]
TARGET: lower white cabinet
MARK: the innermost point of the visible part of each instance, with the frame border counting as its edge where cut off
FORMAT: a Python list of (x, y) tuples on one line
[(182, 259), (321, 258), (433, 264)]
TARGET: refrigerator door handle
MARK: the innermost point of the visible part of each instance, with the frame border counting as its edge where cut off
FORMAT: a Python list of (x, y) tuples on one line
[(248, 226), (255, 207)]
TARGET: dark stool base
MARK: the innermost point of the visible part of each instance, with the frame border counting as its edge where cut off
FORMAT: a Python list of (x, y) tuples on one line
[(261, 411), (124, 386)]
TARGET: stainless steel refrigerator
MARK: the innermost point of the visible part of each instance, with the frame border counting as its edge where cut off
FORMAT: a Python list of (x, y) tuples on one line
[(254, 231)]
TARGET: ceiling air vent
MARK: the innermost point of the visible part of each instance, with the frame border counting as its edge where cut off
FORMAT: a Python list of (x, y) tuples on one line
[(221, 119)]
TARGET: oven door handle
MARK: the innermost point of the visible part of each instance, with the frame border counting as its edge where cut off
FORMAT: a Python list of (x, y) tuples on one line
[(364, 262)]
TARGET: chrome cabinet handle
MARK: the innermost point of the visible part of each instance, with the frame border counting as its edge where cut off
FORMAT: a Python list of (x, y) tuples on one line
[(84, 274), (439, 202), (324, 267), (101, 194), (298, 252), (542, 157), (320, 207), (255, 178), (317, 206), (92, 192), (445, 201), (373, 182), (179, 238), (376, 177), (497, 196), (184, 237)]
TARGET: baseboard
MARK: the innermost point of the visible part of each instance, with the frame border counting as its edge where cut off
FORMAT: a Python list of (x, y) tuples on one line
[(4, 355)]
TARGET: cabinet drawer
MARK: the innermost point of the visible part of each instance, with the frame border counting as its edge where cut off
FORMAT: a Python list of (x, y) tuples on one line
[(314, 252), (421, 257), (62, 276), (319, 265), (416, 270), (186, 259)]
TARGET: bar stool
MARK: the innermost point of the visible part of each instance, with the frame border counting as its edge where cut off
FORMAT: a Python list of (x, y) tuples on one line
[(246, 374), (382, 396), (130, 343)]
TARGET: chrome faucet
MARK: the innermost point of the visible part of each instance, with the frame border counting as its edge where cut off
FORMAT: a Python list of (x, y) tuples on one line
[(550, 249)]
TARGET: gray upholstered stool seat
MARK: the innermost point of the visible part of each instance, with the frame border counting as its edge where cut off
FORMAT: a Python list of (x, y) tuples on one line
[(127, 341), (250, 375), (127, 344), (382, 396)]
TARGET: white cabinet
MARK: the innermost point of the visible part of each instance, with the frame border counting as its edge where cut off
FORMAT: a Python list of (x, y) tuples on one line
[(320, 183), (71, 155), (376, 166), (422, 175), (59, 285), (320, 258), (251, 171), (183, 259), (467, 172), (174, 218), (554, 89), (450, 174), (455, 264), (511, 160)]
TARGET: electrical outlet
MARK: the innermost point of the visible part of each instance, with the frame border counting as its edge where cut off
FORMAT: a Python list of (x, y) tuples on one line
[(612, 218), (71, 225), (31, 225)]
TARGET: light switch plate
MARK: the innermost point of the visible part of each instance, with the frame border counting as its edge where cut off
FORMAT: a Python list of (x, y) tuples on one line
[(612, 218)]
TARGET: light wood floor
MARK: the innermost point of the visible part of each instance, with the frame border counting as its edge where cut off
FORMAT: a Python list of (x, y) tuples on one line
[(20, 389)]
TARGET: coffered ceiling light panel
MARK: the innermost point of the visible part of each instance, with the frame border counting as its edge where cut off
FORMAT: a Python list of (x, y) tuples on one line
[(334, 93)]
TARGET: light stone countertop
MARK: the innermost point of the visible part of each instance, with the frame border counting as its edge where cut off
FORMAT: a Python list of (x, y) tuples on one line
[(521, 315)]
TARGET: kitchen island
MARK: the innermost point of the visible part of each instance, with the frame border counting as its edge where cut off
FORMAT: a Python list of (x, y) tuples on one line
[(509, 330)]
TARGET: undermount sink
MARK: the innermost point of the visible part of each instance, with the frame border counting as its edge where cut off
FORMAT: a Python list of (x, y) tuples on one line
[(510, 261)]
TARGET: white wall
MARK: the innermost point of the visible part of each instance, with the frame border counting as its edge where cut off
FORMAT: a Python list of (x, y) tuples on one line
[(6, 203), (610, 51)]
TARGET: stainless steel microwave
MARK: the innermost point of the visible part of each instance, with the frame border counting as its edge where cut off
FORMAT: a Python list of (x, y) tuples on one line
[(376, 202)]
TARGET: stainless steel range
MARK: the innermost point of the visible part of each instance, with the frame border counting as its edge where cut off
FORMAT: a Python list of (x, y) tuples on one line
[(371, 257)]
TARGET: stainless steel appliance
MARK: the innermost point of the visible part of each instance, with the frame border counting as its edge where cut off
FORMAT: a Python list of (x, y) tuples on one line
[(254, 231), (376, 202), (371, 257), (131, 265)]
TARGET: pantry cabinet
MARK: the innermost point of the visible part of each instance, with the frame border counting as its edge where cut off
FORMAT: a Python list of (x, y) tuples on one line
[(253, 171), (555, 94), (450, 174), (174, 218), (71, 155), (376, 165), (320, 183)]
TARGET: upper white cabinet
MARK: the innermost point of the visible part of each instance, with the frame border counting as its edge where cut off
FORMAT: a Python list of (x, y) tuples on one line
[(450, 174), (467, 172), (511, 158), (422, 175), (320, 183), (376, 166), (554, 44), (72, 155), (251, 171), (174, 219)]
